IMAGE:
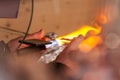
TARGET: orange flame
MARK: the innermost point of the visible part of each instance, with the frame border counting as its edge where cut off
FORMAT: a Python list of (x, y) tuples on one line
[(88, 43), (92, 41), (82, 31)]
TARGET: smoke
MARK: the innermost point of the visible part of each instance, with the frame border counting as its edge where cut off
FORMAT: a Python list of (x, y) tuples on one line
[(95, 65)]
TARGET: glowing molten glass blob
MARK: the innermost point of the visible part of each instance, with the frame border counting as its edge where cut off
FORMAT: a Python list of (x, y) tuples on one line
[(90, 42)]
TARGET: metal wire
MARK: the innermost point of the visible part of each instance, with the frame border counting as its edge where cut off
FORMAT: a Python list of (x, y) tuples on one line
[(30, 22), (16, 31)]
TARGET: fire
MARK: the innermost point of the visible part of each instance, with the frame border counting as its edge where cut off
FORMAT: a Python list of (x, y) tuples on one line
[(88, 43), (82, 31), (103, 19), (93, 40)]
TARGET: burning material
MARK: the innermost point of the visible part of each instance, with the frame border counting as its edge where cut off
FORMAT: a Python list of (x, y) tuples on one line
[(93, 40), (89, 42), (82, 31), (58, 45)]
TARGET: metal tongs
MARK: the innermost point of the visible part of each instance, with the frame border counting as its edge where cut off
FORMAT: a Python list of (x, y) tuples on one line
[(53, 50), (52, 47)]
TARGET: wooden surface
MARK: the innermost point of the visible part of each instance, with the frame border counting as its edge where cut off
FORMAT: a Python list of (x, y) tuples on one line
[(60, 16)]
